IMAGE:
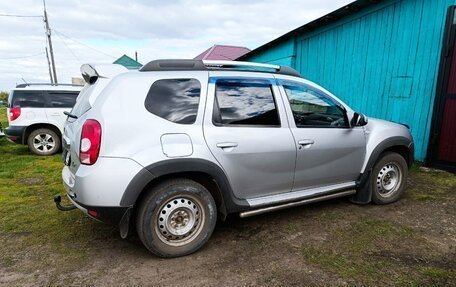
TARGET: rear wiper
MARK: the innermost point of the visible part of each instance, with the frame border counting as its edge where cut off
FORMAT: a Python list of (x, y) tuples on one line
[(70, 115)]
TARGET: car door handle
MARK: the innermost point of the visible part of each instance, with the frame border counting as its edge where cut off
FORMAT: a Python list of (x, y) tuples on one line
[(305, 143), (227, 145)]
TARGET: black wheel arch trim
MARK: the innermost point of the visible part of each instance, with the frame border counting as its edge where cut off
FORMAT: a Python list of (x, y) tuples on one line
[(29, 129), (388, 143), (230, 203), (364, 190)]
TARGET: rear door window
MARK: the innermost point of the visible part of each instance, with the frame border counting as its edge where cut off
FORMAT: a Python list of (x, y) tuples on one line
[(61, 99), (175, 100), (27, 99), (245, 103)]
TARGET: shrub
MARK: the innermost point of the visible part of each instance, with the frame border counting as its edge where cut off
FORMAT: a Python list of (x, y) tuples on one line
[(4, 96)]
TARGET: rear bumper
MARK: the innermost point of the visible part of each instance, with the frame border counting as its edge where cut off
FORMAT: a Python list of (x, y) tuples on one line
[(107, 214), (15, 134), (100, 187)]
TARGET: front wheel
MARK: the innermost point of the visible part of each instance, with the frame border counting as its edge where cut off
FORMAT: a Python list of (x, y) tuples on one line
[(389, 178), (176, 218), (43, 142)]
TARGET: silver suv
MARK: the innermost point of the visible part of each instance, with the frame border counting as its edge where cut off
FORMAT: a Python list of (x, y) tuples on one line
[(171, 147)]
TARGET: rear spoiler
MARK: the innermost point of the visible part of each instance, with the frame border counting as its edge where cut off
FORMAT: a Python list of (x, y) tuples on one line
[(91, 72)]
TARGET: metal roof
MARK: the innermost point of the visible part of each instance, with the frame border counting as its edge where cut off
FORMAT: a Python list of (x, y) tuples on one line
[(332, 17), (128, 62), (48, 86), (222, 52)]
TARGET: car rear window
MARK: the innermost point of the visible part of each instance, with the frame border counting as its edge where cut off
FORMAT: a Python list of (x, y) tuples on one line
[(175, 100), (26, 99)]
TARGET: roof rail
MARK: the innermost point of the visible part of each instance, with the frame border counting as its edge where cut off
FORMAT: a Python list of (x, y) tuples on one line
[(221, 63), (45, 84), (201, 65), (173, 65)]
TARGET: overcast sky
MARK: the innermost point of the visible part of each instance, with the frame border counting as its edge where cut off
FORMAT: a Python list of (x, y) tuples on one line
[(101, 31)]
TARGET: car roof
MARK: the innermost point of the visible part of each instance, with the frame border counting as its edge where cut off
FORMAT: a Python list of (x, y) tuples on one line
[(47, 87)]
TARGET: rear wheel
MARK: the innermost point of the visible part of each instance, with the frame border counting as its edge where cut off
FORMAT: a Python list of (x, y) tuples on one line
[(43, 142), (176, 218), (389, 178)]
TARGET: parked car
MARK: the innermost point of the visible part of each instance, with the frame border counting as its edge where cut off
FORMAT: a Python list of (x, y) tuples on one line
[(36, 115), (181, 142), (3, 103)]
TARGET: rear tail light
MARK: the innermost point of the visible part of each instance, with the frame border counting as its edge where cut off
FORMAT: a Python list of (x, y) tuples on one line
[(89, 147), (14, 113)]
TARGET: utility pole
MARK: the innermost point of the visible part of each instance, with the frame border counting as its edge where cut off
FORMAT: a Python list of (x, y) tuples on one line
[(49, 65), (51, 51)]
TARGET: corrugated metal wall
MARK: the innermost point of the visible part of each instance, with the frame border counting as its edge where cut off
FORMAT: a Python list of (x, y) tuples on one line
[(383, 61), (281, 54)]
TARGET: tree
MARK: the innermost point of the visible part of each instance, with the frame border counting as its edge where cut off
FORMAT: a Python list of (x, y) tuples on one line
[(4, 96)]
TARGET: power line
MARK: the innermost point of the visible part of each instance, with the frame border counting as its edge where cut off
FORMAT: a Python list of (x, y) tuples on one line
[(83, 44), (68, 47), (21, 16), (22, 57)]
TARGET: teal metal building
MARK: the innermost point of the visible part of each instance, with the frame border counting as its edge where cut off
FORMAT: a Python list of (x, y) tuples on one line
[(129, 63), (387, 59)]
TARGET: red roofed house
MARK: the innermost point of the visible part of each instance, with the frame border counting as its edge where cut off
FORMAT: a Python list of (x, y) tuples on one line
[(222, 52)]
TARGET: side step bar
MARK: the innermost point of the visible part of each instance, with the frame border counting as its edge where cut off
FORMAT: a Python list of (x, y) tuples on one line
[(296, 203)]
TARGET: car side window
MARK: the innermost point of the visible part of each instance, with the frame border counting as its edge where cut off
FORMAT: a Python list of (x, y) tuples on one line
[(61, 99), (175, 100), (27, 99), (312, 107), (244, 103)]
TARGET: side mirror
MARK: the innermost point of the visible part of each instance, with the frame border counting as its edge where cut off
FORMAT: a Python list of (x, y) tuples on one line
[(358, 120)]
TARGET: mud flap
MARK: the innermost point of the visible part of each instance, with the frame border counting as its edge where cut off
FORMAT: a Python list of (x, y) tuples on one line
[(124, 224), (363, 193)]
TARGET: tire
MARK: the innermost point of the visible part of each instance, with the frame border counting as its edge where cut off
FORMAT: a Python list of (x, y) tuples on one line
[(389, 178), (176, 218), (43, 142)]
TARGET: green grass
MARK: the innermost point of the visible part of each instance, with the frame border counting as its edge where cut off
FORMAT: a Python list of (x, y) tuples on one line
[(379, 251), (376, 252), (345, 253), (431, 185), (29, 217)]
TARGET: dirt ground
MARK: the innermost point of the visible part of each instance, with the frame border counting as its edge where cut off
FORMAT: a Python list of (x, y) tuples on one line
[(409, 243)]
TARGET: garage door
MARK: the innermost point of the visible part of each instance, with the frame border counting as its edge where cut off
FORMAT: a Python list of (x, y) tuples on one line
[(443, 146)]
